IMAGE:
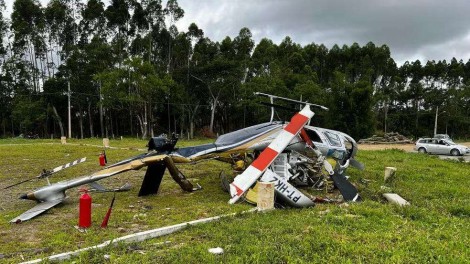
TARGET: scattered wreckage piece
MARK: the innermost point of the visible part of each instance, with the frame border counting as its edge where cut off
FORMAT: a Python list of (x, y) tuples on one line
[(396, 199)]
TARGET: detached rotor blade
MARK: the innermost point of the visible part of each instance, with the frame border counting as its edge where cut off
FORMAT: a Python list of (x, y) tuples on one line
[(47, 173)]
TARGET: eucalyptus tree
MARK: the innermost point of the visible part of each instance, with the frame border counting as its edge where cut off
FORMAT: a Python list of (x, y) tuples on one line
[(350, 106), (216, 71), (5, 93), (3, 31), (118, 17), (93, 22), (145, 84), (155, 17), (263, 55), (27, 25), (174, 13)]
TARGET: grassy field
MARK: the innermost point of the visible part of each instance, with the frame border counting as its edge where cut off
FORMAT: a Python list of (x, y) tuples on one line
[(435, 228)]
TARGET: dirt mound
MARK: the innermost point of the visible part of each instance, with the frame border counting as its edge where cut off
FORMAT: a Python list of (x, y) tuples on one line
[(388, 138)]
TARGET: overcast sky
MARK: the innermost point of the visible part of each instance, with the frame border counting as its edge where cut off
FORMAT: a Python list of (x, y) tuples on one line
[(413, 29)]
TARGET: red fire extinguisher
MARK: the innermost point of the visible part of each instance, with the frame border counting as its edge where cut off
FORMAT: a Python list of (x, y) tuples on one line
[(84, 219), (102, 159)]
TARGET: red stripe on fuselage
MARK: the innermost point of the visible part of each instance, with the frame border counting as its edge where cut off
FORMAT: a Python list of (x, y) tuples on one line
[(264, 159), (296, 123)]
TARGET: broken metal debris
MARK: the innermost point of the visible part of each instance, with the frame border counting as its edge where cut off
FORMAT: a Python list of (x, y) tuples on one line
[(396, 199), (216, 251)]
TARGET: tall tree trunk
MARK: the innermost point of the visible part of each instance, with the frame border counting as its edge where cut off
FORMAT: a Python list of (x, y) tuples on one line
[(90, 120), (116, 126), (111, 124), (385, 115), (106, 125), (59, 121), (42, 70), (417, 119), (47, 65), (131, 122), (101, 115), (191, 121), (213, 106), (52, 60), (142, 119), (4, 121), (152, 121), (144, 135), (80, 120), (33, 69), (181, 117), (142, 127), (215, 100)]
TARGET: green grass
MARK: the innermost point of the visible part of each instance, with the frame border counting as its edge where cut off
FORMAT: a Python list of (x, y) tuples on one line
[(435, 228)]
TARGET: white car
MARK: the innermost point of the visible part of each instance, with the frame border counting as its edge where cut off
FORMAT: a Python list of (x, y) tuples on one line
[(440, 146)]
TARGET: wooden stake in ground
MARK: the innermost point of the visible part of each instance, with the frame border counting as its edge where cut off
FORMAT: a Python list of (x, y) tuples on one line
[(106, 142), (265, 200), (389, 173)]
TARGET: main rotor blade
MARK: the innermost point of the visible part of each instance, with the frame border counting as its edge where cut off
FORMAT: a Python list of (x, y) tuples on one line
[(18, 183)]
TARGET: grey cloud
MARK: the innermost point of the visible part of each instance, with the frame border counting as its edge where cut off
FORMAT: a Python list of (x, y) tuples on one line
[(412, 29)]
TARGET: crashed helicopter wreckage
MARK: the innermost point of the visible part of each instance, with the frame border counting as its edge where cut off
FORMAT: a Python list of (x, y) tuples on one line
[(290, 154)]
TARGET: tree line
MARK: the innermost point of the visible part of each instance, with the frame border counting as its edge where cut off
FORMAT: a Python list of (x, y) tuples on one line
[(129, 71)]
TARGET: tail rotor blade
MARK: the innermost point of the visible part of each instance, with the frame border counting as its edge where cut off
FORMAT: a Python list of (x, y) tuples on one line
[(68, 165), (46, 173)]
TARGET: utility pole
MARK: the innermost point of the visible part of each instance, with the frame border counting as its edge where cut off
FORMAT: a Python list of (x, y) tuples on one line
[(69, 112)]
